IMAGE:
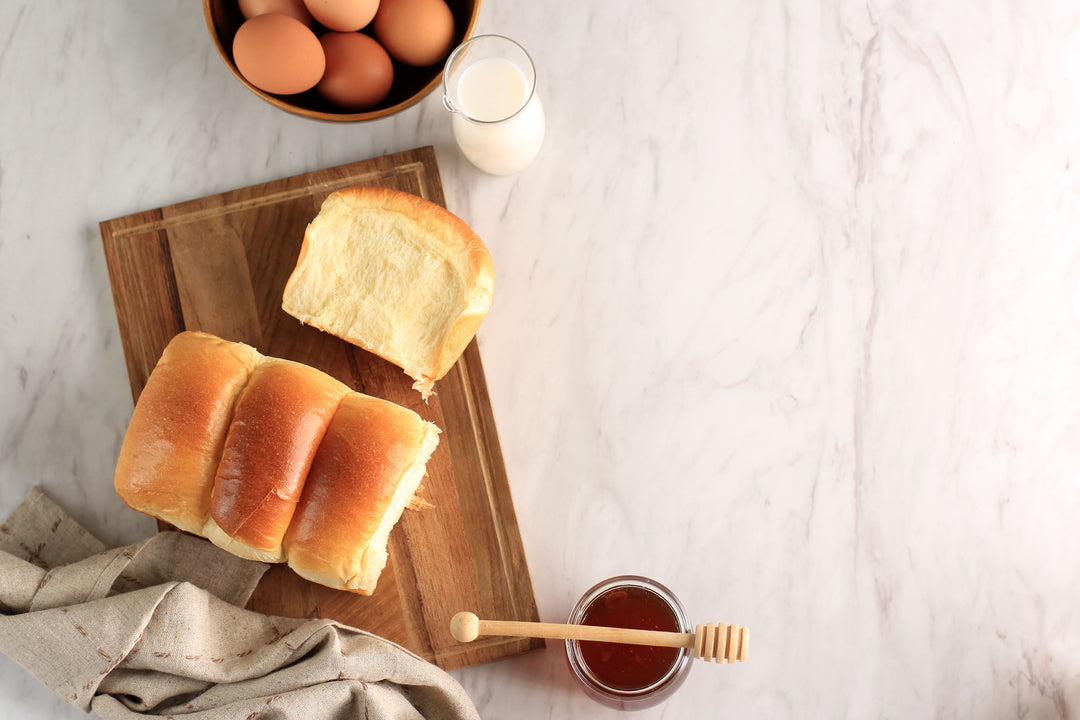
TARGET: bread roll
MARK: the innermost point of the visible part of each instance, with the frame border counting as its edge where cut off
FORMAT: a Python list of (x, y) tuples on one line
[(366, 469), (396, 275), (279, 421), (175, 438), (238, 447)]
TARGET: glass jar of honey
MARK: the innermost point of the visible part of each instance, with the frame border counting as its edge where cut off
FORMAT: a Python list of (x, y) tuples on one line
[(622, 676)]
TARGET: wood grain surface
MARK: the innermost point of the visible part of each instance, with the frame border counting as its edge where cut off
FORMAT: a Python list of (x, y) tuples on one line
[(219, 264)]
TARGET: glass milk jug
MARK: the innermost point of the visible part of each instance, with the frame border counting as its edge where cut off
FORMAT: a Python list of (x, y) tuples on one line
[(489, 85)]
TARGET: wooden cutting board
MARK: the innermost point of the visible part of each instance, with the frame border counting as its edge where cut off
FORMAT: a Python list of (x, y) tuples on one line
[(219, 264)]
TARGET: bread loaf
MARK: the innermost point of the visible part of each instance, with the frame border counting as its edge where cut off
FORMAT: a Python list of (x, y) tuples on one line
[(272, 460), (396, 275)]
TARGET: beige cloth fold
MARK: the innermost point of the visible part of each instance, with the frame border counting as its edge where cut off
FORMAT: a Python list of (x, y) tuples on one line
[(158, 629)]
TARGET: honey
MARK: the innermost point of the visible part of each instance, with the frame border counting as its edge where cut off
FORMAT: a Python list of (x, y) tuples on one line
[(629, 667), (625, 676)]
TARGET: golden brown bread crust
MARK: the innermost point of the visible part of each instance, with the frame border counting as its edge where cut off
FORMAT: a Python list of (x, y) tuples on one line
[(222, 442), (279, 421), (363, 474), (453, 240), (178, 428)]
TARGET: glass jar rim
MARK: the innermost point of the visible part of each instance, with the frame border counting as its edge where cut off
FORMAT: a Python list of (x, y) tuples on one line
[(451, 62)]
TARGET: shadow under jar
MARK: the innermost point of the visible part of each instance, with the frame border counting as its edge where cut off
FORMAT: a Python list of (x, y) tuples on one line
[(623, 676)]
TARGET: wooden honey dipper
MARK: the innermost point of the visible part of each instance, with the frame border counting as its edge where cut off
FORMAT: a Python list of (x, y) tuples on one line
[(717, 642)]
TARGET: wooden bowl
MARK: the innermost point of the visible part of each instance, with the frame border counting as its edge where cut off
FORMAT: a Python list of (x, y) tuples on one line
[(411, 84)]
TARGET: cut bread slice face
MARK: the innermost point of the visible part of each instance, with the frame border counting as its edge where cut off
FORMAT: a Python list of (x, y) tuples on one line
[(396, 275)]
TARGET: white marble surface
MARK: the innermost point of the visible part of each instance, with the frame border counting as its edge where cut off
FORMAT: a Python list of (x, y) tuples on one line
[(787, 318)]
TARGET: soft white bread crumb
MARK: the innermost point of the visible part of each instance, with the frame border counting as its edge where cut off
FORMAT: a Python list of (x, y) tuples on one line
[(396, 275)]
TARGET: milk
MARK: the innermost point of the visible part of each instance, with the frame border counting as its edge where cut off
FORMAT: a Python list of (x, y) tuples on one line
[(498, 120)]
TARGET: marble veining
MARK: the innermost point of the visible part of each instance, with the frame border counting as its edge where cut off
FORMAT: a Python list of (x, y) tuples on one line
[(787, 317)]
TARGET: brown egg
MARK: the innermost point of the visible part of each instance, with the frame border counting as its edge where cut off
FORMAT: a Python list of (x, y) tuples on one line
[(292, 8), (415, 32), (278, 54), (343, 15), (359, 72)]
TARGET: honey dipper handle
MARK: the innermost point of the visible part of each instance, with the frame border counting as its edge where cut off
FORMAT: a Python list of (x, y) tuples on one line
[(466, 627), (556, 631)]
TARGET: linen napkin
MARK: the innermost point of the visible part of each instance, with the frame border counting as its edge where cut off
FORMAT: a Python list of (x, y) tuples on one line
[(158, 629)]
